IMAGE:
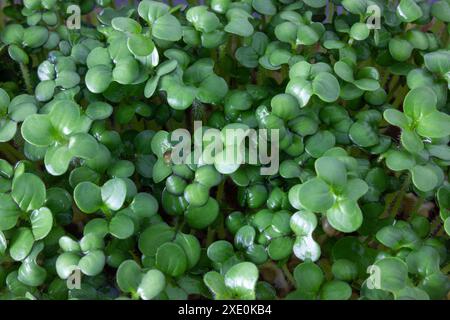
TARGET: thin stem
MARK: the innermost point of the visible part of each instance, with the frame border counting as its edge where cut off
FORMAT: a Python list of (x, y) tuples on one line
[(396, 202), (416, 208), (288, 275), (192, 3), (8, 149), (26, 77), (401, 93), (210, 236), (180, 224), (446, 269)]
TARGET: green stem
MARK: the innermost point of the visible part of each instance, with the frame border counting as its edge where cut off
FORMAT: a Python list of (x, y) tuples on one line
[(392, 84), (288, 275), (416, 208), (401, 93), (107, 212), (135, 295), (331, 11), (210, 236), (446, 269), (180, 224), (396, 203), (26, 77), (192, 3), (9, 150)]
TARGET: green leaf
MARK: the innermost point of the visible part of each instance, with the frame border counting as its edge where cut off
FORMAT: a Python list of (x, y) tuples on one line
[(191, 248), (411, 141), (98, 78), (301, 89), (345, 270), (41, 223), (306, 249), (399, 160), (153, 237), (424, 261), (441, 10), (171, 259), (126, 25), (66, 263), (129, 276), (434, 125), (308, 277), (315, 195), (121, 226), (57, 159), (167, 28), (65, 116), (409, 10), (319, 143), (83, 145), (265, 7), (331, 170), (359, 31), (354, 189), (126, 71), (18, 54), (220, 251), (38, 130), (307, 35), (303, 223), (241, 280), (88, 197), (30, 273), (28, 191), (8, 129), (21, 244), (280, 248), (335, 290), (99, 110), (396, 118), (152, 284), (238, 22), (152, 10), (92, 263), (3, 243), (216, 284), (344, 71), (424, 178), (345, 216), (113, 193), (419, 102), (144, 205), (438, 61), (400, 49), (397, 236), (9, 212), (392, 273), (363, 134), (35, 36), (201, 217), (326, 86)]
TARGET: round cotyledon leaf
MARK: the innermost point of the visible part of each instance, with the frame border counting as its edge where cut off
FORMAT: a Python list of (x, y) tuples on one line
[(28, 191), (315, 195), (41, 223), (171, 259), (241, 280), (152, 284), (87, 196)]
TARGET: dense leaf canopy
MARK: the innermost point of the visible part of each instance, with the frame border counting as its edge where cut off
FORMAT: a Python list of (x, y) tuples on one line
[(357, 91)]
